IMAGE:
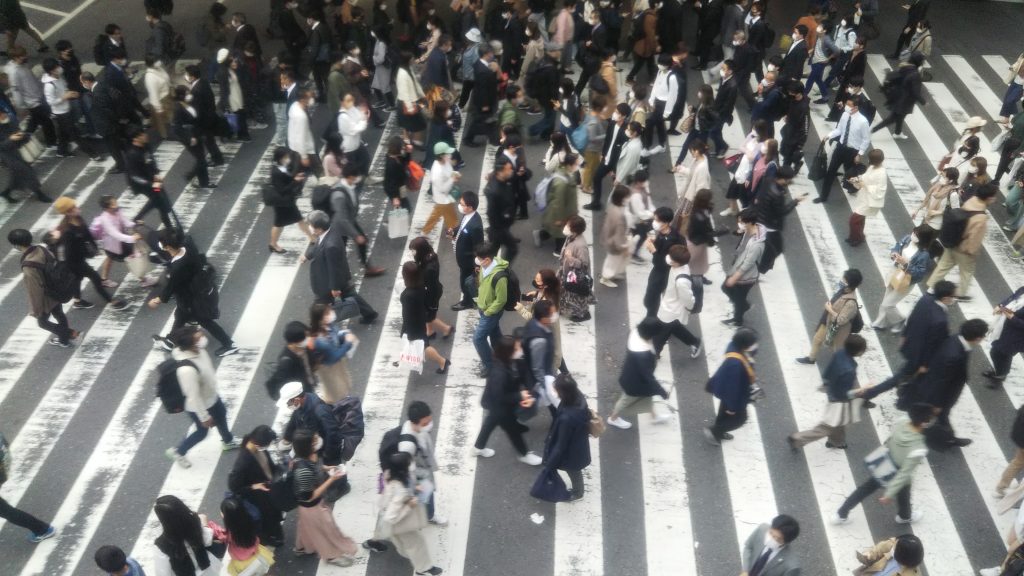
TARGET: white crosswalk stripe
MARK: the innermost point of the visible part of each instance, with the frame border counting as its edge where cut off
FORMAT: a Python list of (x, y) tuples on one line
[(583, 534)]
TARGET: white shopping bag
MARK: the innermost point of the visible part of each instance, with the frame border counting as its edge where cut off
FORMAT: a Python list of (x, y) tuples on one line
[(398, 223), (412, 355), (138, 261)]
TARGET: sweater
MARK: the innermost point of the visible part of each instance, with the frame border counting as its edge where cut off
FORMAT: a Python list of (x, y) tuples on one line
[(748, 254), (441, 182), (199, 384)]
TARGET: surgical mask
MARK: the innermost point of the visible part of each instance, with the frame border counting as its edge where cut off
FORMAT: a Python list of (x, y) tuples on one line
[(795, 37), (188, 98), (849, 110), (770, 542), (478, 261), (463, 210), (529, 34), (331, 317), (772, 68), (566, 231), (554, 317), (662, 67), (842, 23), (428, 427), (202, 342), (319, 444), (311, 102), (736, 42), (291, 407), (517, 354), (669, 261), (973, 169), (764, 150), (616, 116), (841, 285), (913, 238), (820, 29), (631, 95)]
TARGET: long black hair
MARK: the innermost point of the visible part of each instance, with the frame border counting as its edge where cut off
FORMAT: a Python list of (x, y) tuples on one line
[(238, 523), (181, 531)]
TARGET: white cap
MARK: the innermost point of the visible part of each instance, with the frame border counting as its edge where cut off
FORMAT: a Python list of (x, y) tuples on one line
[(289, 391), (222, 55), (473, 35)]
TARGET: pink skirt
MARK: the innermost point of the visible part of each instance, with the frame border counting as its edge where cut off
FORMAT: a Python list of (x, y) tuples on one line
[(317, 532)]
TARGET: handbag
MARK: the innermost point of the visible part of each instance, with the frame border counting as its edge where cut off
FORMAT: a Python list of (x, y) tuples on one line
[(579, 283), (549, 487), (687, 124), (345, 308), (398, 223), (415, 176), (880, 465), (259, 564), (1014, 70), (733, 162), (596, 425), (138, 261), (899, 280), (412, 354), (819, 166)]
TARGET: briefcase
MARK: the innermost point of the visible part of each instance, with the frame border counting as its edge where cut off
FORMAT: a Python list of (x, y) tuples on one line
[(345, 308)]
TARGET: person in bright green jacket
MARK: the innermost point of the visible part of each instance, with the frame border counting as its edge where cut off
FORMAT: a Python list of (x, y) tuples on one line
[(492, 293)]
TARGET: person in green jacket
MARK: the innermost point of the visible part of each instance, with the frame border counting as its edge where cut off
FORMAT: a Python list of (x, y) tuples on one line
[(561, 202), (907, 449), (492, 293), (508, 113)]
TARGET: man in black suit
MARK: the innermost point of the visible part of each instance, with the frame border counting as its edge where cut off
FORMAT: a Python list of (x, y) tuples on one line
[(917, 10), (501, 206), (945, 380), (613, 143), (793, 62), (329, 274), (465, 239), (669, 25), (746, 59), (594, 46), (923, 334), (104, 53), (725, 104), (144, 177), (709, 25), (484, 99), (244, 33), (345, 215), (115, 76), (103, 112), (207, 120), (794, 131), (317, 54)]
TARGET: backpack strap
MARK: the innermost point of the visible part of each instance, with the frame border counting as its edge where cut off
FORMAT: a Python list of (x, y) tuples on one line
[(746, 364)]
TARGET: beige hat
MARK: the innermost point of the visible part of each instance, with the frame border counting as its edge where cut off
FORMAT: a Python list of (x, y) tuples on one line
[(222, 55), (976, 122)]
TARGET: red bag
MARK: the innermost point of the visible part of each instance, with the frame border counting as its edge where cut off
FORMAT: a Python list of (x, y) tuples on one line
[(415, 176)]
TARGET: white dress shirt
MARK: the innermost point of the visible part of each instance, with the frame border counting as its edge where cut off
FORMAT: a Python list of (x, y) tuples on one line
[(859, 137), (300, 137), (351, 125)]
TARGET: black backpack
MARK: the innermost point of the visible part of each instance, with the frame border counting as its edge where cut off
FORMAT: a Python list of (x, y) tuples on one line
[(282, 491), (321, 199), (389, 444), (513, 294), (954, 224), (59, 282), (168, 389), (349, 413), (205, 292)]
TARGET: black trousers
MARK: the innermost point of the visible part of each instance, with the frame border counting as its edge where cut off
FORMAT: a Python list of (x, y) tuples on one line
[(725, 422), (159, 201), (40, 117), (466, 274), (1010, 147), (867, 489), (639, 62), (656, 123), (674, 328), (737, 294), (1001, 361), (941, 434), (181, 317), (115, 145), (585, 74), (791, 148), (200, 169), (743, 84), (503, 237), (480, 123), (209, 140), (320, 71), (83, 270), (656, 282), (23, 177), (507, 422), (602, 171), (842, 156), (467, 88), (59, 328), (894, 118), (21, 518)]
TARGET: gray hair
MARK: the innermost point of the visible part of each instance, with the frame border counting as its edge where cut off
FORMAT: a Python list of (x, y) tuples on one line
[(319, 219)]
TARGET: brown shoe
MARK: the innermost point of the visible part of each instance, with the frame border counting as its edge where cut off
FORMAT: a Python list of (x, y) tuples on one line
[(372, 271)]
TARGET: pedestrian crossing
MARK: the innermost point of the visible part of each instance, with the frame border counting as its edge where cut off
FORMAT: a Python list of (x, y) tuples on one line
[(688, 506)]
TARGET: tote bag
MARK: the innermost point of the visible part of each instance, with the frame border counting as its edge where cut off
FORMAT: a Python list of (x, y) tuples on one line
[(412, 355), (138, 261), (398, 223), (550, 487)]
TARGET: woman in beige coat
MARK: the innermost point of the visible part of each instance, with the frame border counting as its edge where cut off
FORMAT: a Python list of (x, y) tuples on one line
[(614, 238), (869, 202), (837, 318), (905, 553), (402, 518)]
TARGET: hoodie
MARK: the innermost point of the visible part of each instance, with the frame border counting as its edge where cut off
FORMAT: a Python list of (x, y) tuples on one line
[(637, 378), (492, 295), (907, 450)]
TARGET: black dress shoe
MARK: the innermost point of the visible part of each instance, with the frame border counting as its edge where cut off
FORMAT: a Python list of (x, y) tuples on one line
[(592, 206), (471, 144), (369, 319), (836, 446), (705, 281), (6, 194), (961, 442), (819, 200), (869, 404), (726, 436), (460, 307)]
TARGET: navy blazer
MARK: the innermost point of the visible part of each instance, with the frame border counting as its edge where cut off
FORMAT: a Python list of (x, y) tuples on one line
[(942, 384), (466, 242), (435, 71), (1011, 340), (568, 443), (927, 327)]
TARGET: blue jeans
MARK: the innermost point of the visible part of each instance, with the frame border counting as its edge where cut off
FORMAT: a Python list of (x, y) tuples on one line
[(220, 418), (817, 76), (715, 135), (1010, 99), (488, 327), (545, 124)]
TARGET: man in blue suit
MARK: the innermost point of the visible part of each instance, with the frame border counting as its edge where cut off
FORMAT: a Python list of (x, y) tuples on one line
[(435, 70), (926, 330)]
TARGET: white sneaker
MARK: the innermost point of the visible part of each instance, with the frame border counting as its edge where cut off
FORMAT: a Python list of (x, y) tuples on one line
[(999, 494), (438, 520), (619, 423), (995, 571), (343, 561), (664, 418), (233, 445), (728, 212), (900, 137), (607, 282), (656, 150), (695, 350), (531, 459), (838, 520), (483, 452), (914, 517), (172, 454)]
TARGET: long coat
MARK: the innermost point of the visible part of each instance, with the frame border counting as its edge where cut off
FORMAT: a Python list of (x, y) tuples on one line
[(561, 203), (568, 445)]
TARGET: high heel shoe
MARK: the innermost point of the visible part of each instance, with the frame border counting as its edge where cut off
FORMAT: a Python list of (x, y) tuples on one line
[(276, 250), (447, 364)]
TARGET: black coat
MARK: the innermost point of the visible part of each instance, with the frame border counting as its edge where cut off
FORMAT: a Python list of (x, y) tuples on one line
[(485, 89), (285, 189), (183, 126), (637, 377), (205, 105), (107, 106), (465, 243), (289, 368), (793, 62), (927, 327), (947, 374), (1011, 340), (725, 99), (503, 389), (247, 471), (414, 313), (179, 279), (568, 443), (917, 12), (501, 203), (243, 35), (318, 46), (613, 146), (431, 270), (140, 169), (745, 59), (772, 206), (328, 266), (911, 91), (130, 105)]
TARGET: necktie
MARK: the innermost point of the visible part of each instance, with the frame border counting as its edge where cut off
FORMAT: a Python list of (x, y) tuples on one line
[(758, 566), (846, 132)]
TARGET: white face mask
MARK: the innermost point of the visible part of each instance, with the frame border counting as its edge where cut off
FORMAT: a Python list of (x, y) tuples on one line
[(764, 150), (202, 342), (913, 238), (662, 67), (669, 260), (517, 354), (291, 407), (311, 102), (330, 318), (849, 110), (736, 42), (554, 317), (319, 444), (820, 29), (771, 542), (566, 231), (478, 261), (973, 169), (428, 427), (631, 95), (188, 98), (616, 116), (842, 23), (463, 210), (772, 68), (796, 37)]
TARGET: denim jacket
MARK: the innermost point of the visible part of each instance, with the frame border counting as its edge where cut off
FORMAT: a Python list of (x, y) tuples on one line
[(919, 264)]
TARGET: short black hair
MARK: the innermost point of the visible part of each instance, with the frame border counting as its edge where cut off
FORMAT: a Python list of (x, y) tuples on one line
[(855, 345), (973, 329), (744, 338), (62, 45), (485, 250), (471, 199), (117, 53), (921, 413), (295, 332), (801, 29), (747, 215), (512, 91), (110, 558), (417, 411), (909, 551), (787, 526), (663, 214), (853, 278), (542, 309), (986, 191), (184, 337), (171, 237), (111, 29), (943, 289), (193, 71), (20, 237), (649, 327)]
